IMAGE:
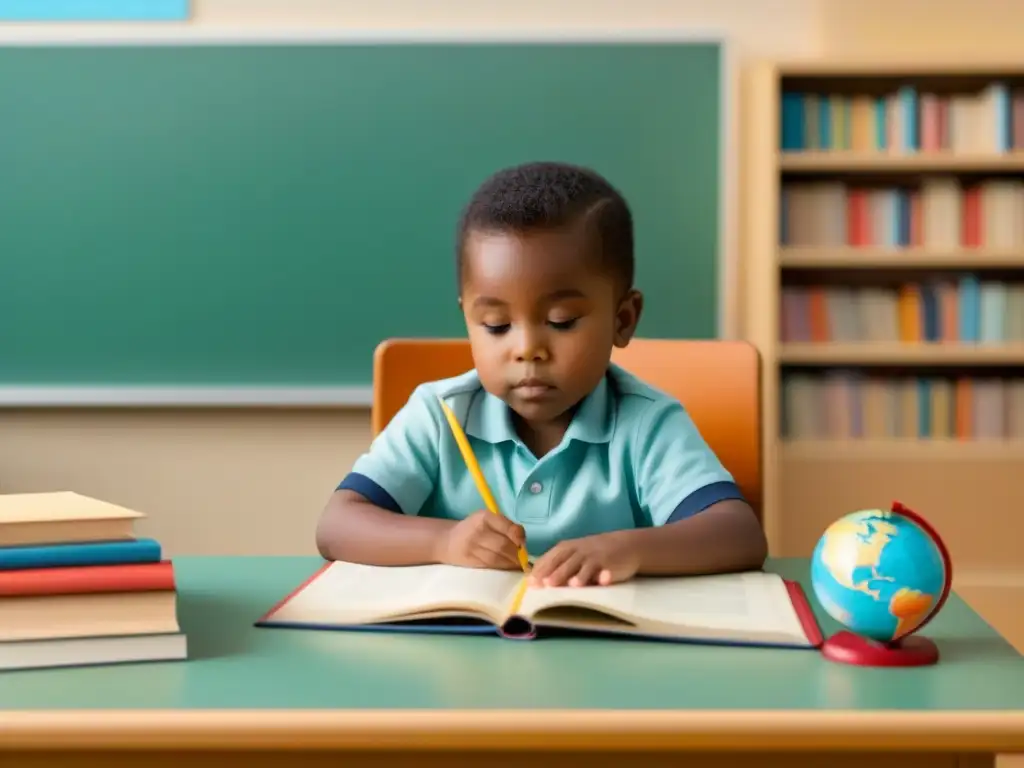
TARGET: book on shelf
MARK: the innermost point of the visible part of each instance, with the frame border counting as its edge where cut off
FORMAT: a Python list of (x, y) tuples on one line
[(78, 587), (752, 608), (840, 404), (936, 212), (957, 309), (906, 120)]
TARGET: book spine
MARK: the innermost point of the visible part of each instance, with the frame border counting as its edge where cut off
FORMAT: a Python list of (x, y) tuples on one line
[(65, 555), (965, 309), (517, 628), (939, 212), (834, 405), (92, 579), (905, 121)]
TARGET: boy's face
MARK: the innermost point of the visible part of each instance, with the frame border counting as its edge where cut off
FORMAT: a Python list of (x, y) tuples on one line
[(543, 318)]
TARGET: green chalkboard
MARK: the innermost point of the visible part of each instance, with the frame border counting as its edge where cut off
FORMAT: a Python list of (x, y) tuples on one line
[(265, 214)]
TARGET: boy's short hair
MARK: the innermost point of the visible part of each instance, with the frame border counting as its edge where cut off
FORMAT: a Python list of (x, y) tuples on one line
[(550, 195)]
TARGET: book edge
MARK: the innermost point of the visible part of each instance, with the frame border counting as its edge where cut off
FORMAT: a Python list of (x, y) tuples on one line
[(162, 577), (293, 594), (54, 555), (804, 613)]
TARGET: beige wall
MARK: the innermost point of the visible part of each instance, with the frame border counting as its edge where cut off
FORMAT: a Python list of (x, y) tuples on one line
[(254, 481)]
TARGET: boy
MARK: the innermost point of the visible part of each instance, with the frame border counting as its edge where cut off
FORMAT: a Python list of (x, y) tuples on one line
[(600, 476)]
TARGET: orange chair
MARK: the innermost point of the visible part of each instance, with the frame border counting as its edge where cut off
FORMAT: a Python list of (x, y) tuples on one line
[(719, 382)]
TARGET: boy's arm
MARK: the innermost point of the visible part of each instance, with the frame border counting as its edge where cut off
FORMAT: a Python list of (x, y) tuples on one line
[(372, 515), (700, 521), (352, 528), (726, 536)]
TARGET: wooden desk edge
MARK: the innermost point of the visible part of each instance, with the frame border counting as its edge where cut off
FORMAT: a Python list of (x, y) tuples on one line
[(586, 730)]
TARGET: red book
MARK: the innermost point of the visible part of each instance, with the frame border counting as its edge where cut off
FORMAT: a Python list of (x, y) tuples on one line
[(88, 579), (972, 217), (858, 218)]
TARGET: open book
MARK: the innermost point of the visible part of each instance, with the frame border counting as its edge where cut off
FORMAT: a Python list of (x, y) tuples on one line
[(751, 608)]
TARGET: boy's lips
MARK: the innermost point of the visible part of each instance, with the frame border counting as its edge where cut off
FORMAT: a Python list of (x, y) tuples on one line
[(532, 388)]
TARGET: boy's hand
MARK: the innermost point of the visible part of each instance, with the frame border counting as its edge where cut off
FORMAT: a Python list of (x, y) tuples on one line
[(600, 559), (483, 540)]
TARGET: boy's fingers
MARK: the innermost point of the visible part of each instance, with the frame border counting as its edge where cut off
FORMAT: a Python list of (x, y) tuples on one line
[(547, 563), (566, 570), (587, 574), (497, 547), (507, 528)]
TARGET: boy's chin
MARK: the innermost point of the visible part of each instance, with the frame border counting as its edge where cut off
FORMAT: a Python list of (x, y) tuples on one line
[(537, 410)]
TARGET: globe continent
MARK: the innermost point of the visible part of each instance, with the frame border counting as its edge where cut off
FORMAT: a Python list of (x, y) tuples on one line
[(878, 574)]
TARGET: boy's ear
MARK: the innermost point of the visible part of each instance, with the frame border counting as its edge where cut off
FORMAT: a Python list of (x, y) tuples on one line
[(627, 317)]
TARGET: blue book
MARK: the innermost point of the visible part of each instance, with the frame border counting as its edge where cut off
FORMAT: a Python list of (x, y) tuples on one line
[(881, 123), (824, 123), (970, 308), (908, 100), (992, 312), (904, 218), (94, 10), (793, 129), (1003, 125), (79, 554), (924, 408)]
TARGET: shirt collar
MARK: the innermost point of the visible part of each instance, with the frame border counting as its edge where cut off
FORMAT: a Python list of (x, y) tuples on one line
[(490, 419)]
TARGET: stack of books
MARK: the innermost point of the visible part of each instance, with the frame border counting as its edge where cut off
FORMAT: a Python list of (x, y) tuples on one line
[(77, 587)]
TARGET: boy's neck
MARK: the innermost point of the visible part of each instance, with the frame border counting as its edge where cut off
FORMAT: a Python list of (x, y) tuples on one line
[(543, 437)]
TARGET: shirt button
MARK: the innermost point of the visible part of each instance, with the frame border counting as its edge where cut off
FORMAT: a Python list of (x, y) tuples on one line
[(536, 487)]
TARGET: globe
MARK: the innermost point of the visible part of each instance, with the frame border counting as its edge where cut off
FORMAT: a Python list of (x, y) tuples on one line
[(881, 573)]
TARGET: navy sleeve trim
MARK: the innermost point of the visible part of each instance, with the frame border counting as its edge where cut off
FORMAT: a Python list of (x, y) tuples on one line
[(703, 498), (368, 489)]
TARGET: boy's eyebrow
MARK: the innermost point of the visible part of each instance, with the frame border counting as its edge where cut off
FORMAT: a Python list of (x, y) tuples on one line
[(564, 293)]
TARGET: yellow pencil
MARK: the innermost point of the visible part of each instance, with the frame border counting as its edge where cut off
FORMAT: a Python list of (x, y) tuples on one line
[(474, 470)]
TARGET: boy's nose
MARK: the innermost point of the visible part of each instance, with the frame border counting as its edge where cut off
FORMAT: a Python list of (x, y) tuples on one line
[(531, 349)]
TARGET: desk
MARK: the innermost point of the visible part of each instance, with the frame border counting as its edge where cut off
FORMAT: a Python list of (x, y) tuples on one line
[(263, 696)]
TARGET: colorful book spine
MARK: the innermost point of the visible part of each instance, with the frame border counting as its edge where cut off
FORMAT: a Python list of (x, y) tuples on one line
[(853, 405), (906, 121), (939, 212), (965, 310), (83, 554)]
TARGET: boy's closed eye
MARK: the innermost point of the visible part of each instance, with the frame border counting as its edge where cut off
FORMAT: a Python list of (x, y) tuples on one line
[(559, 325)]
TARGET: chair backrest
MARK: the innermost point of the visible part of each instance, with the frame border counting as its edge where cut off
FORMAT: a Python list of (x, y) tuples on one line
[(719, 382)]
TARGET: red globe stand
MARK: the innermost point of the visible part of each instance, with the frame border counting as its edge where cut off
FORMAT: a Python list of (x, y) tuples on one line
[(910, 650)]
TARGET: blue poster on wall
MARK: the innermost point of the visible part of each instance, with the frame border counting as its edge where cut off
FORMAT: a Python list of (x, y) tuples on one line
[(94, 10)]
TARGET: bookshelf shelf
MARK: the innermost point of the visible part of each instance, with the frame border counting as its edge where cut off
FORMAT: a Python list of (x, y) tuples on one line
[(943, 450), (930, 354), (899, 258), (884, 201), (852, 161)]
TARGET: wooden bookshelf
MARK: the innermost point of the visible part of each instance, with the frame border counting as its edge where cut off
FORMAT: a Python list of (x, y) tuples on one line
[(849, 161), (930, 354), (967, 484), (809, 257)]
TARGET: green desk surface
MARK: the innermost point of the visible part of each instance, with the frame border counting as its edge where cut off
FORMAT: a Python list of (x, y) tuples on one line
[(238, 666)]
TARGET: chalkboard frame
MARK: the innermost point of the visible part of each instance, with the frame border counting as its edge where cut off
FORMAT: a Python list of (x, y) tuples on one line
[(186, 396)]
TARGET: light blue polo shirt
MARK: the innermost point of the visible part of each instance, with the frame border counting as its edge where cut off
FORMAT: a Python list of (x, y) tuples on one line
[(631, 458)]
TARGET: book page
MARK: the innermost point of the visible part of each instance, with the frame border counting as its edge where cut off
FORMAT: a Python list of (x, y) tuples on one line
[(351, 593), (746, 603)]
